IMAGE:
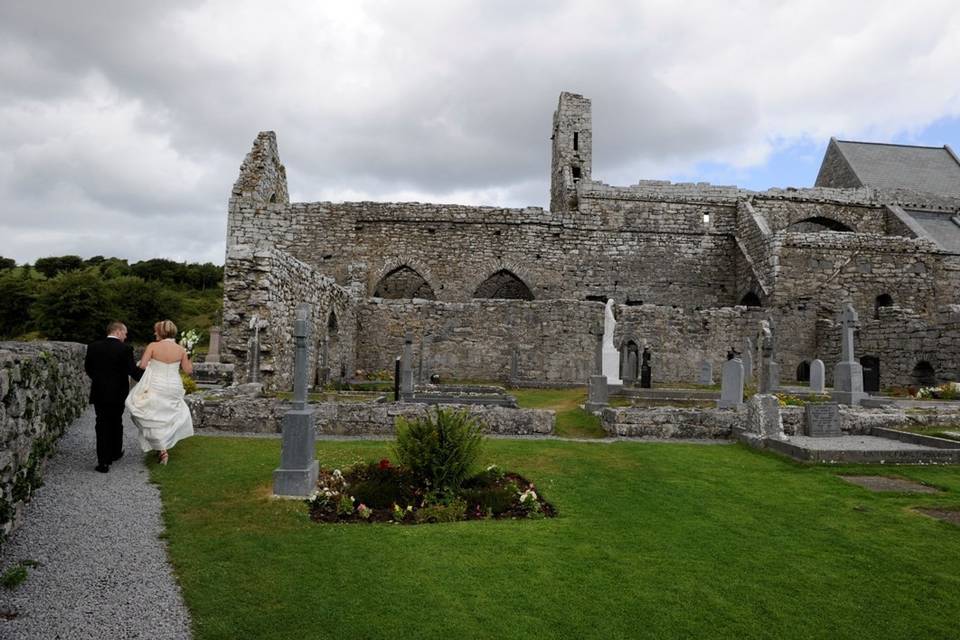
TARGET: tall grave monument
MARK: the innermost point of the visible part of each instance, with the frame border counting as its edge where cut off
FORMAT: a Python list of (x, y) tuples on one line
[(611, 357), (297, 474), (848, 374)]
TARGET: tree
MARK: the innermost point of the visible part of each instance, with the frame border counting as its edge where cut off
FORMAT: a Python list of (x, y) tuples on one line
[(18, 292), (7, 263), (73, 306), (139, 304), (53, 265)]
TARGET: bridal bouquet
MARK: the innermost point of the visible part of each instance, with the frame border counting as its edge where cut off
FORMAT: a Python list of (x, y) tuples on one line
[(189, 339)]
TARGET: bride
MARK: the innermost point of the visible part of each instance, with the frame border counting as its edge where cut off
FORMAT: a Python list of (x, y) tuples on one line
[(156, 402)]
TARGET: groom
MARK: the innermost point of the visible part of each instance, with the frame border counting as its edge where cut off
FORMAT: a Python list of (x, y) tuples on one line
[(110, 364)]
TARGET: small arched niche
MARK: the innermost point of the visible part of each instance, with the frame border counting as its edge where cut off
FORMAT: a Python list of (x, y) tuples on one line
[(803, 371), (504, 285), (404, 282), (923, 374), (817, 224), (750, 299)]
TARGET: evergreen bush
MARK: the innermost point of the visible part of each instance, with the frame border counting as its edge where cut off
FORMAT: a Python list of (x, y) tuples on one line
[(439, 449)]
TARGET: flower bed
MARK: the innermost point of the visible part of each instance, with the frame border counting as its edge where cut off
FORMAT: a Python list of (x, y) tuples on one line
[(382, 492)]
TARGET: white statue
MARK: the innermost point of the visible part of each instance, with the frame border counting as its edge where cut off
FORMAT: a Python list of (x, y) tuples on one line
[(611, 357)]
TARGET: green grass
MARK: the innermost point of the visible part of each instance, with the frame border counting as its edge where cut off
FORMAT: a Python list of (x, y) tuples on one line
[(939, 431), (14, 576), (571, 420), (652, 540)]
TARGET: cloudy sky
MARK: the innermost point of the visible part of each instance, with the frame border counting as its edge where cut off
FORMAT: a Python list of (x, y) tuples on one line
[(123, 124)]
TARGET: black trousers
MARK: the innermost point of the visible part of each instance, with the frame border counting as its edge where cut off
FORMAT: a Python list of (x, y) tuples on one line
[(109, 428)]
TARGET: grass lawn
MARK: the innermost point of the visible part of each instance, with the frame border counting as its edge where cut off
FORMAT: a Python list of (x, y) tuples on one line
[(571, 420), (653, 540)]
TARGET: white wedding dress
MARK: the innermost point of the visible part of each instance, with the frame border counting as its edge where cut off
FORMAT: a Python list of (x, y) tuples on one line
[(157, 407)]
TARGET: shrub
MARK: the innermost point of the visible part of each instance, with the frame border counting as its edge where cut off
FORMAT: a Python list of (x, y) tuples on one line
[(442, 512), (440, 449), (189, 384), (383, 486)]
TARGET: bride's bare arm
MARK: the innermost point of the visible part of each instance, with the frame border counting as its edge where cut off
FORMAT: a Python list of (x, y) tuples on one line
[(185, 363), (147, 356)]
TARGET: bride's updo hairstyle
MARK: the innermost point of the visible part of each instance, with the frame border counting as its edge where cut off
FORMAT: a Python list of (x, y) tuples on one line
[(165, 329)]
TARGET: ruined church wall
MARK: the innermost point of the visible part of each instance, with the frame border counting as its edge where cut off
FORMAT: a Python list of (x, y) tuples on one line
[(830, 268), (781, 213), (455, 248), (271, 284)]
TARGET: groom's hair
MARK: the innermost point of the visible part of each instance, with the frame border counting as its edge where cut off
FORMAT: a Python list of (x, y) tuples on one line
[(115, 326)]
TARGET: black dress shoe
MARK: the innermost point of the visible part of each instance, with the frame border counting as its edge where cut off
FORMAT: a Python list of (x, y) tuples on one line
[(102, 468), (118, 456)]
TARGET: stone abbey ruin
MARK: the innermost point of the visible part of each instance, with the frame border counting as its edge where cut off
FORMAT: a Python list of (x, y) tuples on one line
[(518, 294)]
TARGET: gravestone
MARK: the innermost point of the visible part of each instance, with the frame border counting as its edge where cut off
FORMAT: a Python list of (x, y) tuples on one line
[(823, 420), (731, 384), (253, 348), (213, 352), (297, 474), (747, 358), (396, 379), (598, 395), (406, 368), (630, 366), (817, 376), (514, 364), (611, 357), (706, 373), (769, 369), (645, 373), (848, 374)]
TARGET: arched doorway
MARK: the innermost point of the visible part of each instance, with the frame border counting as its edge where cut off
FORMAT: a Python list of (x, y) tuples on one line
[(924, 375), (871, 373), (803, 371), (750, 299), (629, 362)]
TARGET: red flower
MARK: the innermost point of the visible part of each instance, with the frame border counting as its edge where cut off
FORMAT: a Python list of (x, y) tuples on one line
[(384, 463)]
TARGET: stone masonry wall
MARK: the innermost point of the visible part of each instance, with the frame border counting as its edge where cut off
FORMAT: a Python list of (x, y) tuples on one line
[(264, 415), (270, 284), (43, 388)]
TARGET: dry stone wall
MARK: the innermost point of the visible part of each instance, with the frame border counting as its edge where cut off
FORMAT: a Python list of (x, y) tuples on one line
[(43, 388)]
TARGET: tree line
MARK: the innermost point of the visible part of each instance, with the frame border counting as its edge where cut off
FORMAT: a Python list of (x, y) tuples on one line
[(71, 298)]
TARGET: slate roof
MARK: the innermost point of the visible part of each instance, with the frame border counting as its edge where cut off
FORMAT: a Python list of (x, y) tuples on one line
[(934, 170), (942, 228)]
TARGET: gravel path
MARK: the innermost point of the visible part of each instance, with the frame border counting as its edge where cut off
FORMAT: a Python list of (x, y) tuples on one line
[(855, 443), (103, 569)]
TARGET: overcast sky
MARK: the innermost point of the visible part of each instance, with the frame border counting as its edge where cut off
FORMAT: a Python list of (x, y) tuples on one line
[(123, 124)]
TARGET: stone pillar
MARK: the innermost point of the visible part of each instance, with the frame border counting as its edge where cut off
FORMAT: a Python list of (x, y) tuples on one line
[(848, 374), (297, 474), (731, 384), (817, 376), (598, 395), (213, 353), (406, 368)]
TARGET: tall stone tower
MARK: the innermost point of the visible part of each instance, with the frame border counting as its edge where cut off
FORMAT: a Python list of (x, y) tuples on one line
[(572, 150)]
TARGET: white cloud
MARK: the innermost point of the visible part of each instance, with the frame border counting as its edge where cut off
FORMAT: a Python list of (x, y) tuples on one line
[(141, 119)]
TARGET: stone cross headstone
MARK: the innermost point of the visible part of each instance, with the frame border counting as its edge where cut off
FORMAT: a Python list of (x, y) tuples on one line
[(769, 369), (706, 373), (256, 324), (297, 474), (731, 384), (822, 420), (611, 357), (848, 374), (514, 364), (747, 358), (645, 372), (406, 368), (213, 352), (817, 376), (598, 333)]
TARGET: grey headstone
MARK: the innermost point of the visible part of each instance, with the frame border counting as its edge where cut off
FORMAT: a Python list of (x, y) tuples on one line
[(297, 474), (406, 368), (706, 372), (630, 375), (598, 395), (514, 364), (817, 376), (731, 384), (597, 332), (769, 376), (848, 374), (763, 416), (823, 420)]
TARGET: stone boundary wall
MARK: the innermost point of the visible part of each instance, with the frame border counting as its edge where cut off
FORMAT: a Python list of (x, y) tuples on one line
[(671, 422), (43, 389), (264, 415), (270, 284)]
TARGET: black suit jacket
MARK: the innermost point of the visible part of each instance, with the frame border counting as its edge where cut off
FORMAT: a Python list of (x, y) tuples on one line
[(110, 365)]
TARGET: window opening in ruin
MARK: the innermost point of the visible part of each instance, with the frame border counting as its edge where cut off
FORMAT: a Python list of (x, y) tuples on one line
[(750, 299), (706, 218), (273, 198), (883, 300), (634, 303), (576, 172), (404, 282), (504, 285), (332, 326), (602, 299), (576, 140), (803, 371), (924, 375), (817, 224)]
